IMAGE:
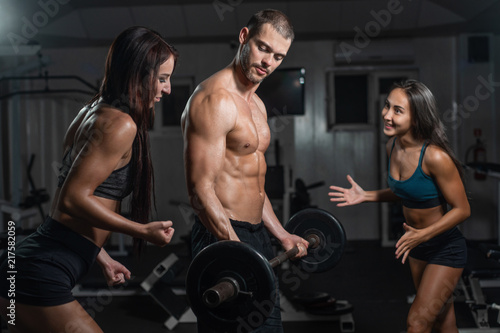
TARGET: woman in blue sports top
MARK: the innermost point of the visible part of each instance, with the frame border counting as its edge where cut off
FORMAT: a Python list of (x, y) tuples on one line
[(424, 173)]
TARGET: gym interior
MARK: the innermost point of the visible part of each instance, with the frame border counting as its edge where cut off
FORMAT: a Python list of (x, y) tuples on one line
[(323, 106)]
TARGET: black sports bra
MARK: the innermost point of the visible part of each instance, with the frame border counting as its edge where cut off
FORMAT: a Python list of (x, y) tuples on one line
[(116, 187)]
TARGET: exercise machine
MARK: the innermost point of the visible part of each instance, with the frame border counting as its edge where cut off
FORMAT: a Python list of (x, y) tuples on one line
[(483, 275)]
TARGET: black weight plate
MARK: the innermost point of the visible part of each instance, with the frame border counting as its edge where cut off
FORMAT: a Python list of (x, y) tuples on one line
[(249, 268), (330, 232)]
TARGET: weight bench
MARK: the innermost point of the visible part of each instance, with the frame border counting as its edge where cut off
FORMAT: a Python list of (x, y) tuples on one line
[(483, 274)]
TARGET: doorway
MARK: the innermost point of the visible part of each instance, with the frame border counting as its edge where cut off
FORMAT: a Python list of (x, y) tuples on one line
[(360, 142)]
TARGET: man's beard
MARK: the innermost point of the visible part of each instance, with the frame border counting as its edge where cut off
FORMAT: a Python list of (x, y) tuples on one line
[(246, 66)]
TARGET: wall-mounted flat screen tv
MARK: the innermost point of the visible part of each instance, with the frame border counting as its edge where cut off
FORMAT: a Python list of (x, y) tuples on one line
[(283, 92)]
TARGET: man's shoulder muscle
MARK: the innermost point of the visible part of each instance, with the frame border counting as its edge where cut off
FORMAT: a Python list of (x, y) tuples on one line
[(211, 104)]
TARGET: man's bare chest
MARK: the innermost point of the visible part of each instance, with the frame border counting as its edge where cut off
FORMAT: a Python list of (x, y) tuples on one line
[(251, 132)]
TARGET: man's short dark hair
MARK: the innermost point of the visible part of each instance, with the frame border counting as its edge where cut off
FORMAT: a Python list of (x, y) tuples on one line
[(279, 21)]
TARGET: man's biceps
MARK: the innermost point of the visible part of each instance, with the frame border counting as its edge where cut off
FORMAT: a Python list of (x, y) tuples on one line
[(212, 146), (209, 132)]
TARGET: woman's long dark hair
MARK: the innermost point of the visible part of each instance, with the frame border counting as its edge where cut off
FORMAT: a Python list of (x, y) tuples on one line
[(426, 124), (129, 84)]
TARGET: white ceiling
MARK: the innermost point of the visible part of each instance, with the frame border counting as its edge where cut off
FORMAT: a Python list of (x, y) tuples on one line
[(64, 23)]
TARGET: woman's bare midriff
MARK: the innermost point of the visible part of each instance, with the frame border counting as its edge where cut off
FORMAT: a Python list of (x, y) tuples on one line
[(422, 218), (98, 236)]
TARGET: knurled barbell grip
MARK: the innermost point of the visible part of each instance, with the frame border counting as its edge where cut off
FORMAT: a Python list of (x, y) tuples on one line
[(278, 260)]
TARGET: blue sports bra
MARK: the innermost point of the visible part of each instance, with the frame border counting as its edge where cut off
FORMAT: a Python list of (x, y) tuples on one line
[(418, 191), (116, 187)]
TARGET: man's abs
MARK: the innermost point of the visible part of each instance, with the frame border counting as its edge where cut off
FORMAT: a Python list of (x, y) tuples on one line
[(243, 200)]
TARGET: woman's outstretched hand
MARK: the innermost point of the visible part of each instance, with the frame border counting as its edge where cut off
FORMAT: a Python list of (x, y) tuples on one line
[(347, 197)]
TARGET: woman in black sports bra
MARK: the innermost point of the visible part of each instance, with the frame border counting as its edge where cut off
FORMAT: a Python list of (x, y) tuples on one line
[(106, 158), (424, 173)]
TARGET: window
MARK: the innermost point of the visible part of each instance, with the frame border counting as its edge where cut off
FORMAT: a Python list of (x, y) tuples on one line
[(173, 105), (351, 99), (347, 100)]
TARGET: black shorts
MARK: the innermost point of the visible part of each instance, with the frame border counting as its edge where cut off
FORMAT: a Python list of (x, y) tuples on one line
[(48, 263), (257, 236), (447, 249)]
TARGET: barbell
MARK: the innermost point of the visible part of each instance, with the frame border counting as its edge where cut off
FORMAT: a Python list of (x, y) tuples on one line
[(228, 282)]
